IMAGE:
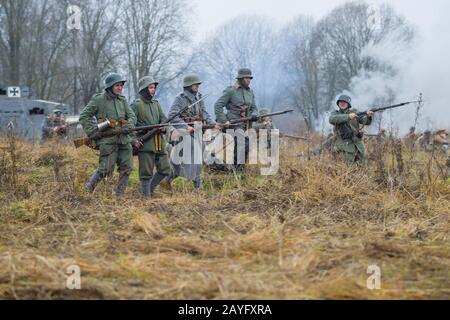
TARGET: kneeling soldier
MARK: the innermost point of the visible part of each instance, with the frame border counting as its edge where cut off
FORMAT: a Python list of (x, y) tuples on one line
[(54, 125), (264, 124), (112, 107), (153, 152)]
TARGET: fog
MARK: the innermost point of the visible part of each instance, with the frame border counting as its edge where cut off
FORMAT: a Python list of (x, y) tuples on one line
[(421, 67)]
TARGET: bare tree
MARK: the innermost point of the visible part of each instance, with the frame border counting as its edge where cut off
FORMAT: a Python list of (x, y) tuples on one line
[(97, 50), (45, 49), (342, 37), (156, 39), (301, 64), (14, 16), (245, 41), (323, 58)]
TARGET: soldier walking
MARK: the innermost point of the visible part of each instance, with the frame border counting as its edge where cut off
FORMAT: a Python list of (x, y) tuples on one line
[(239, 101), (191, 84), (112, 107), (153, 152)]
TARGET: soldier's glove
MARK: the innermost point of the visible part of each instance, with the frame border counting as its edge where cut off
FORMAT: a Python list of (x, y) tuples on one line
[(254, 118), (95, 136)]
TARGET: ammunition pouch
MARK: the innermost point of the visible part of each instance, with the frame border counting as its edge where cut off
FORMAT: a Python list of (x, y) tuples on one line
[(346, 133)]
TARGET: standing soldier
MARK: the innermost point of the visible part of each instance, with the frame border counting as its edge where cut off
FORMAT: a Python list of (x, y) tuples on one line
[(348, 128), (54, 125), (111, 107), (153, 152), (239, 100), (189, 96)]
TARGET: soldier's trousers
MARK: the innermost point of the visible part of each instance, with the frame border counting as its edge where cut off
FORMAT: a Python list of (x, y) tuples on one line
[(241, 148), (148, 161), (115, 154), (352, 157)]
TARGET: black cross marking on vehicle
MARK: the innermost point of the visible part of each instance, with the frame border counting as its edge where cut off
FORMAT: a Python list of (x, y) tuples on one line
[(14, 92)]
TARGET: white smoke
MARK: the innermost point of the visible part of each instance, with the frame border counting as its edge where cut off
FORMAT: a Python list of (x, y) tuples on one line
[(419, 67)]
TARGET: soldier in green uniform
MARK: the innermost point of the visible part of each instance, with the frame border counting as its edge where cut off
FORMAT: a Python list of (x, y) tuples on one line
[(54, 125), (110, 106), (239, 100), (153, 152), (348, 129), (264, 124)]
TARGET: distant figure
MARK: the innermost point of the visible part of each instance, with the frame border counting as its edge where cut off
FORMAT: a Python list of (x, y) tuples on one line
[(54, 126), (425, 141), (410, 139), (264, 124), (441, 140)]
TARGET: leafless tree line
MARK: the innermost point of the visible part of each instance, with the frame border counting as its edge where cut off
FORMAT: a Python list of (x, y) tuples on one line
[(305, 64), (135, 37)]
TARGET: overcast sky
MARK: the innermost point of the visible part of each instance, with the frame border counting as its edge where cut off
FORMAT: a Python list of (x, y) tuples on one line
[(210, 14)]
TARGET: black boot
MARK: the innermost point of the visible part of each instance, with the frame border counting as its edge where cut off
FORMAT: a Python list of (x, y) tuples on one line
[(93, 181), (122, 185), (157, 178)]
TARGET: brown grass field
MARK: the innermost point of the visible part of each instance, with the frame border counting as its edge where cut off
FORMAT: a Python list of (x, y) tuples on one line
[(309, 232)]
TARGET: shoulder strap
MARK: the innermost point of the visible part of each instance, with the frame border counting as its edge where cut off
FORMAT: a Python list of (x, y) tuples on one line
[(141, 108)]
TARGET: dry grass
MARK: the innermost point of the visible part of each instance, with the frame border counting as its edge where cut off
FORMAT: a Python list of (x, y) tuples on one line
[(308, 233)]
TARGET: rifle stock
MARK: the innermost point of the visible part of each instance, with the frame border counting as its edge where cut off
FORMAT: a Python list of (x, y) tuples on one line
[(86, 141), (81, 142)]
